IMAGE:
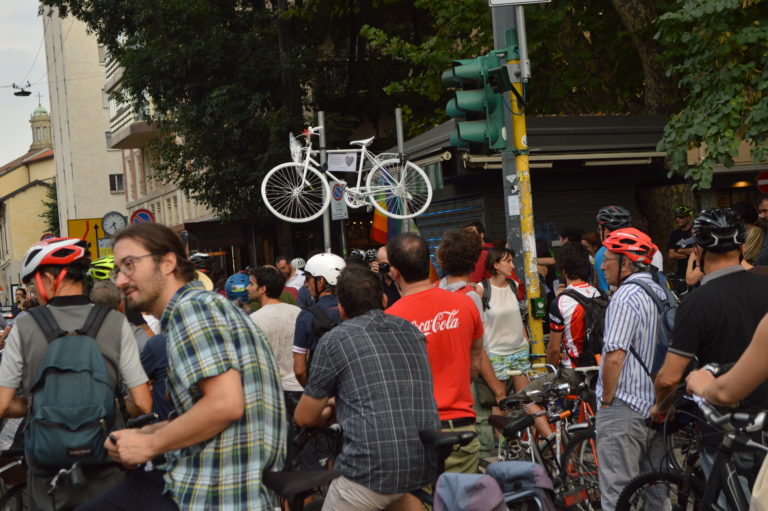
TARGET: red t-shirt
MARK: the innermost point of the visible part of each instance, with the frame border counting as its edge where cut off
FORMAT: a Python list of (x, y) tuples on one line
[(450, 322)]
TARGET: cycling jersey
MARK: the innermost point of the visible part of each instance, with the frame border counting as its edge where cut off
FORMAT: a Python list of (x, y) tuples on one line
[(566, 315)]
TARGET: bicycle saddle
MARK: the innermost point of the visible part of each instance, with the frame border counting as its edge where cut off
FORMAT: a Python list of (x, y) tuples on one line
[(362, 143), (288, 484), (510, 425), (434, 439)]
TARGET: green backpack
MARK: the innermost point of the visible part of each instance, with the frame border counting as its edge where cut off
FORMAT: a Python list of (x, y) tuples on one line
[(72, 410)]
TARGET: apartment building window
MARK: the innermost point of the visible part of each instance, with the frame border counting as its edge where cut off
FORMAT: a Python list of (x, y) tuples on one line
[(102, 54), (108, 137), (112, 108), (116, 183)]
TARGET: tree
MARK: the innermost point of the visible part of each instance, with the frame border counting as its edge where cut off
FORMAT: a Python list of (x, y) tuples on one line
[(718, 48), (51, 210), (211, 71), (582, 63)]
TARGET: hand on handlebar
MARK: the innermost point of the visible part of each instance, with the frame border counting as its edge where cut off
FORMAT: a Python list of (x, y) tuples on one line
[(698, 381), (130, 447)]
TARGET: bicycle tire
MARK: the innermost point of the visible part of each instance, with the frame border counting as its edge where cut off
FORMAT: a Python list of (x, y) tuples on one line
[(398, 191), (292, 199), (578, 472), (683, 494), (13, 498)]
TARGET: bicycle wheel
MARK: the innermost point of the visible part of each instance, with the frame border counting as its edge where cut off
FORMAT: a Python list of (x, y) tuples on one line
[(579, 485), (398, 190), (661, 490), (293, 199), (13, 498)]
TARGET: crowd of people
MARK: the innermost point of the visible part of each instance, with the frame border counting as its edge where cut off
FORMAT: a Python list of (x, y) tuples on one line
[(381, 342)]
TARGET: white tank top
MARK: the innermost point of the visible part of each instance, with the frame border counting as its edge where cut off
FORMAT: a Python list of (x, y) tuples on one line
[(503, 323)]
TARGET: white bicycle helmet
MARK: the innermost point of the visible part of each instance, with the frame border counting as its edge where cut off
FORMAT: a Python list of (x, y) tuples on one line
[(298, 263), (324, 265), (53, 251)]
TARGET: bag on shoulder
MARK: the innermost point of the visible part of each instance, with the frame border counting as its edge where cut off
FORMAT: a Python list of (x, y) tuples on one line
[(594, 324), (321, 321), (72, 408), (666, 321)]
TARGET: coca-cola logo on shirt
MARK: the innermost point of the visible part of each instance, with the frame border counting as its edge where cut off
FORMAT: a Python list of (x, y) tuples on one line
[(445, 320)]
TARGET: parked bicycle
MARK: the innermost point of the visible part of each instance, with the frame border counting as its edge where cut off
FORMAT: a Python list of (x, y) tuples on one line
[(298, 191), (689, 489)]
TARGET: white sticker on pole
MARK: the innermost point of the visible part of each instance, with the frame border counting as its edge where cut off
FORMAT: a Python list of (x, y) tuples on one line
[(513, 205), (338, 206), (342, 161)]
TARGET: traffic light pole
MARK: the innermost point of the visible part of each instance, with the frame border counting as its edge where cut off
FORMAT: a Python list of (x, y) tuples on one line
[(521, 235)]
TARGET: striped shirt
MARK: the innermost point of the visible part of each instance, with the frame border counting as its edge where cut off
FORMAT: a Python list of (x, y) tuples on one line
[(207, 336), (631, 320)]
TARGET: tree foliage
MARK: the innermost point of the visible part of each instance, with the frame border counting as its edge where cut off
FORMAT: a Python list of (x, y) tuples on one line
[(50, 212), (718, 48)]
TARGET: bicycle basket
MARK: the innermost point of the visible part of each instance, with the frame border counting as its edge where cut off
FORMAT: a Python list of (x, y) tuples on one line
[(295, 147)]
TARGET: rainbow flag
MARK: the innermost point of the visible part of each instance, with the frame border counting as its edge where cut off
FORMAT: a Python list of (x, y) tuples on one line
[(384, 229)]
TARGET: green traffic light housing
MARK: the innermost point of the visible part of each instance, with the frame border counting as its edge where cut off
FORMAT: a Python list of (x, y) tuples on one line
[(478, 107)]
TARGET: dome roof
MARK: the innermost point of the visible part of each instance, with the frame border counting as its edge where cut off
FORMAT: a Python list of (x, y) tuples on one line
[(40, 111)]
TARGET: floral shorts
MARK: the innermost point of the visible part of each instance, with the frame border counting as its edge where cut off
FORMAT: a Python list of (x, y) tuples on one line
[(519, 360)]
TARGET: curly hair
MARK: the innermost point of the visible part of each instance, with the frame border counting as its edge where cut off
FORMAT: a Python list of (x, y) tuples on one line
[(458, 251)]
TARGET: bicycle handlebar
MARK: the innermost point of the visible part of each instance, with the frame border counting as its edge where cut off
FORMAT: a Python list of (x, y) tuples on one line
[(587, 369), (755, 421)]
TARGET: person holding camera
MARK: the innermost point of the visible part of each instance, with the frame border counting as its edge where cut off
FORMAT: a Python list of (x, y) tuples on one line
[(381, 266)]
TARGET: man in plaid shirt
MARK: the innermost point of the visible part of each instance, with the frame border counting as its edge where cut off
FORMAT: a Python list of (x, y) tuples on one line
[(223, 384), (373, 372)]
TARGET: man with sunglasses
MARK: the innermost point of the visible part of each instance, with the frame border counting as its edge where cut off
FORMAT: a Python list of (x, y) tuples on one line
[(54, 271), (675, 251)]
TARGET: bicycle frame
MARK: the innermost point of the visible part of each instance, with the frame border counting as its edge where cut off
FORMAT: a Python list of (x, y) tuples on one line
[(363, 156)]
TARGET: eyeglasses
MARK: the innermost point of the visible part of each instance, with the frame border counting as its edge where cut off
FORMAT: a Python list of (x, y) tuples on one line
[(128, 266)]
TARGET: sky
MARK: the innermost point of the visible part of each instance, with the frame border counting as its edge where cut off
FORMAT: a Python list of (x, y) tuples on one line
[(21, 35)]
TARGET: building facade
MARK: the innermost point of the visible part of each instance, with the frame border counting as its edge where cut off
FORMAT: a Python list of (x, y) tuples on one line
[(24, 185), (89, 174)]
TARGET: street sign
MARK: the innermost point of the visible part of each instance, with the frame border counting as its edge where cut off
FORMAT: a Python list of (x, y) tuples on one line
[(338, 206), (105, 247), (88, 229), (142, 216), (762, 181)]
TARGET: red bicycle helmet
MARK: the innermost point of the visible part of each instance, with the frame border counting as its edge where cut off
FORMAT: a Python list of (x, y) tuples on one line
[(53, 251), (634, 244)]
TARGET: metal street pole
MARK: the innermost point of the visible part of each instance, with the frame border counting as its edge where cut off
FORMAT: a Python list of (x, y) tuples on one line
[(509, 31), (323, 159)]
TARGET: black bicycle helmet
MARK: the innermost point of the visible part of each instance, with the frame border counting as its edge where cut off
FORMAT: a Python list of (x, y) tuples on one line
[(719, 230), (201, 261), (614, 217)]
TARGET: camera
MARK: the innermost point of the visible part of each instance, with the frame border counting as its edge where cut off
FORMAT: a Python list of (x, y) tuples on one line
[(383, 267)]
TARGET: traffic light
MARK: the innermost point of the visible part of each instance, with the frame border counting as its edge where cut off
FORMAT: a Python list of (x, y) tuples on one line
[(476, 106)]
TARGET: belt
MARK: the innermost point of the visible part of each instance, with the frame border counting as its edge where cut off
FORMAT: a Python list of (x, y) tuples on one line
[(458, 423)]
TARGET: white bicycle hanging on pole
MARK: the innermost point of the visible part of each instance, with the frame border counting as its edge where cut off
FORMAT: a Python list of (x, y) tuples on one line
[(298, 191)]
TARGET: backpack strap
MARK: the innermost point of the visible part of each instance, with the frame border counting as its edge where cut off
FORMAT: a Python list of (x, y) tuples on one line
[(94, 321), (486, 298), (47, 323), (575, 295), (660, 304), (322, 318)]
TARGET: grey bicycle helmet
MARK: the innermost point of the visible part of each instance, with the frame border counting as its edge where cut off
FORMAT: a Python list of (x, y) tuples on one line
[(719, 230), (614, 217)]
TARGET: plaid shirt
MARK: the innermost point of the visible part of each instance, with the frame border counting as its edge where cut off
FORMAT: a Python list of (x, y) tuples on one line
[(377, 367), (207, 336)]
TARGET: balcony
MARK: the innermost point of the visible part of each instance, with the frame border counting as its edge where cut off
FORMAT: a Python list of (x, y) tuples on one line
[(133, 134)]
